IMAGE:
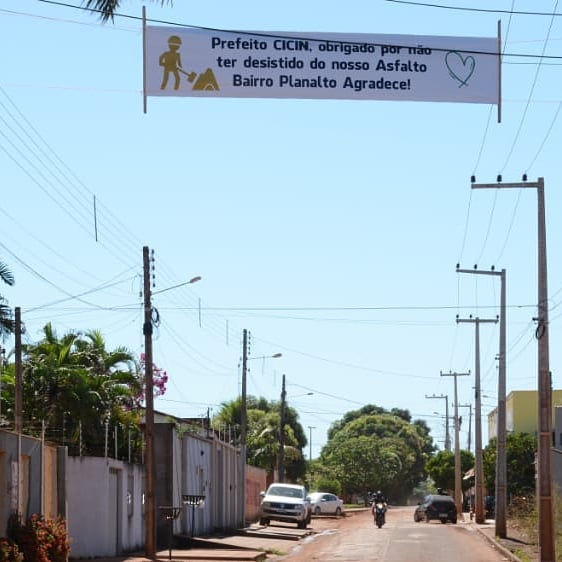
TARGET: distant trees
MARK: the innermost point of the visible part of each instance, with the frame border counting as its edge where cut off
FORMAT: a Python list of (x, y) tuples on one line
[(441, 469), (373, 448), (262, 440)]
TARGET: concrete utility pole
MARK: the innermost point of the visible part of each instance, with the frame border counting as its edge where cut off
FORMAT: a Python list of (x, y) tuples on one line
[(501, 456), (150, 515), (458, 481), (544, 461), (479, 513), (281, 466), (469, 406), (447, 434)]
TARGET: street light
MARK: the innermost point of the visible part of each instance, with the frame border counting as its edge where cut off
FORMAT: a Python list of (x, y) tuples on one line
[(310, 428), (447, 434)]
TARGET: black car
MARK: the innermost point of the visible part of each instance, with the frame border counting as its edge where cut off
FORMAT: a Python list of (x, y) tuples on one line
[(438, 507)]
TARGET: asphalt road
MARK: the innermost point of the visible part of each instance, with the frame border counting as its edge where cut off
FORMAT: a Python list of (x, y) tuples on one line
[(356, 538)]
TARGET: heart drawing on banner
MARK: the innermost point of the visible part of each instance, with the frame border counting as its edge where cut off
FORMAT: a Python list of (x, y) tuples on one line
[(460, 68)]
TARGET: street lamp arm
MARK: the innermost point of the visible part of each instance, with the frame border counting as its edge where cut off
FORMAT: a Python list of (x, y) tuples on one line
[(274, 356), (192, 280)]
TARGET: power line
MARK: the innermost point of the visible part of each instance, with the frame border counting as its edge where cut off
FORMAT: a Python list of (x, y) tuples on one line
[(467, 9)]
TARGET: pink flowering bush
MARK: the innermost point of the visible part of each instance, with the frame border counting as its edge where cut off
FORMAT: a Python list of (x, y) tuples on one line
[(9, 551), (44, 540), (159, 378)]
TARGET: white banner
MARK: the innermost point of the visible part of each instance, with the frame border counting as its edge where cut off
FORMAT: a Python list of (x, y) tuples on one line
[(200, 63)]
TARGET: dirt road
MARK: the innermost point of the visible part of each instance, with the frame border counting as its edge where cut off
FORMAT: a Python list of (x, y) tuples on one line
[(356, 539)]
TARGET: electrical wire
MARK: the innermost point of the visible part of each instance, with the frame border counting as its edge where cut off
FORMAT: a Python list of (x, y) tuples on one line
[(530, 96)]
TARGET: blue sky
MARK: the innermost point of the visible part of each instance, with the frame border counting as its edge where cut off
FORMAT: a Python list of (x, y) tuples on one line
[(329, 229)]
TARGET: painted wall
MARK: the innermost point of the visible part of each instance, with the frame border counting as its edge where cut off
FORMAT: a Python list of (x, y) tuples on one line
[(30, 487), (102, 498), (255, 483), (521, 409), (105, 506)]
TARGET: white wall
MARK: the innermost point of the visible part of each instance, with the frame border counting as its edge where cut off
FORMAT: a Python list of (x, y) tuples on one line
[(105, 509)]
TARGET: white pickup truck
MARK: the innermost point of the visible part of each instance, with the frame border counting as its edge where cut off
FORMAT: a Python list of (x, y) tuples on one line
[(288, 503)]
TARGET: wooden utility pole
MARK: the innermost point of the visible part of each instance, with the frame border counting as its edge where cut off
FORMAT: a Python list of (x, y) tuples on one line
[(18, 398), (150, 514), (281, 466), (2, 361), (479, 511), (545, 502), (501, 454), (458, 476), (244, 425)]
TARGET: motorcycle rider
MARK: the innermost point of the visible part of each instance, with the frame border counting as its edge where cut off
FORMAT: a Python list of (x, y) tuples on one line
[(379, 497)]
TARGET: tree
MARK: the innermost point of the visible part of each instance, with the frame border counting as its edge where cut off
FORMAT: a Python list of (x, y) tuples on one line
[(520, 451), (388, 451), (262, 439), (74, 386), (363, 463), (108, 8), (7, 324), (441, 469)]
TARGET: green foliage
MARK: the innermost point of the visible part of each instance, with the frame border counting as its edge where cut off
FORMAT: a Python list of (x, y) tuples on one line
[(371, 448), (7, 323), (9, 551), (106, 9), (44, 540), (324, 484), (520, 457), (74, 385), (262, 439), (441, 469)]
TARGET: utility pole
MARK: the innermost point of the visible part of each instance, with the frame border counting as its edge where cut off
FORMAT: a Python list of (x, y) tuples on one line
[(479, 469), (545, 502), (18, 402), (244, 423), (501, 454), (469, 406), (281, 466), (447, 434), (150, 515), (2, 360), (458, 482)]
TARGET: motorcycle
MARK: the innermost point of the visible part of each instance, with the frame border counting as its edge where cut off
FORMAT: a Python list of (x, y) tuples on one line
[(379, 511)]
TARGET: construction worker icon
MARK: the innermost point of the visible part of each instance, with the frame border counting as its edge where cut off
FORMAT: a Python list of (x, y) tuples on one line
[(171, 63)]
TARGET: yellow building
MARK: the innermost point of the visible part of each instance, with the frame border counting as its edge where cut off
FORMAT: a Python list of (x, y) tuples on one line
[(521, 412)]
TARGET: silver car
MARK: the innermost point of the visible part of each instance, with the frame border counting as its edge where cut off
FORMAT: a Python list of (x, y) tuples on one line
[(323, 503), (288, 503)]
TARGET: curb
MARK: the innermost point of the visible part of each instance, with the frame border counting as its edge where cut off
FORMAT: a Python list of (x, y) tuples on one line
[(505, 551)]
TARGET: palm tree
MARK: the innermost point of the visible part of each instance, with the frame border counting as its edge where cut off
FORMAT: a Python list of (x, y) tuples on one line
[(75, 385), (108, 8), (7, 324)]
